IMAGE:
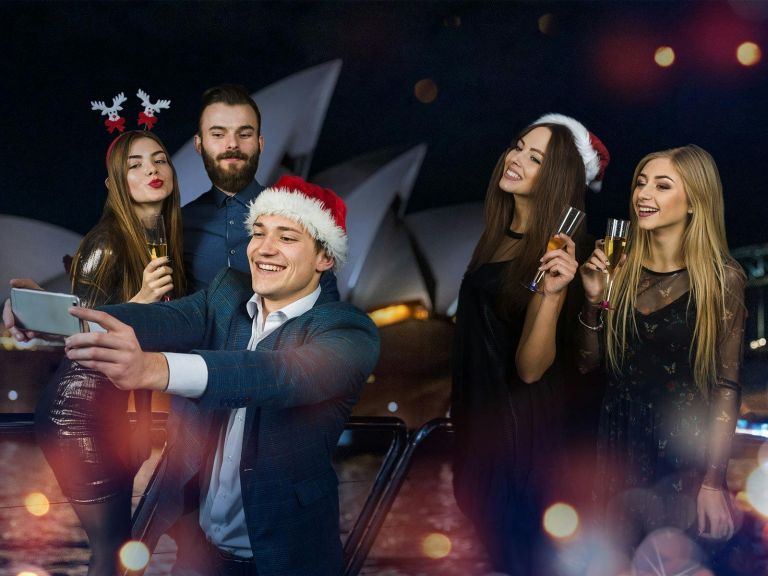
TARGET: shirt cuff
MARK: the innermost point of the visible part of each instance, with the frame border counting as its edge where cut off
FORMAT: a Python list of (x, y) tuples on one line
[(187, 374)]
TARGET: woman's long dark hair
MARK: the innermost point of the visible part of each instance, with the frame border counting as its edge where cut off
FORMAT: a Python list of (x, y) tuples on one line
[(561, 181)]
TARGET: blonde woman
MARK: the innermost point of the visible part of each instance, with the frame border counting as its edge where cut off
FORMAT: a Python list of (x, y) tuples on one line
[(673, 348)]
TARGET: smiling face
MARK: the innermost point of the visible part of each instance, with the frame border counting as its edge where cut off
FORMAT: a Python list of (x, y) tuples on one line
[(523, 162), (230, 145), (149, 176), (659, 198), (284, 260)]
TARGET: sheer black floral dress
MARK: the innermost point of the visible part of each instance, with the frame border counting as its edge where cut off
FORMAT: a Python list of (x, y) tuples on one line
[(660, 437)]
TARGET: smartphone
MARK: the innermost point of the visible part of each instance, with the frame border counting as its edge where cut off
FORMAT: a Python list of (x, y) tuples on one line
[(45, 311)]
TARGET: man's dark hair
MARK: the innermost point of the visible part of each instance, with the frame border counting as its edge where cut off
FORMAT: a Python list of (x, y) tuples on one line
[(231, 95)]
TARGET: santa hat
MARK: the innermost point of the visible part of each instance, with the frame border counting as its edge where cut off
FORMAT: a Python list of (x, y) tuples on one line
[(593, 151), (319, 210)]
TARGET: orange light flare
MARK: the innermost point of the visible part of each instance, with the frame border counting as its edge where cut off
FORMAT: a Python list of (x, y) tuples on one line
[(748, 54), (134, 555), (561, 521), (436, 545), (425, 90), (664, 56), (37, 504)]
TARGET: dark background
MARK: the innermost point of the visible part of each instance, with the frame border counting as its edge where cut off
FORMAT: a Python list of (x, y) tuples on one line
[(494, 69)]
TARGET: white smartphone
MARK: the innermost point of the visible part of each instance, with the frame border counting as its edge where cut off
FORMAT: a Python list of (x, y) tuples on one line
[(45, 311)]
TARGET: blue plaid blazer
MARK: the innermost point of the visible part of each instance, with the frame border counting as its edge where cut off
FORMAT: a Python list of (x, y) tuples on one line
[(299, 386)]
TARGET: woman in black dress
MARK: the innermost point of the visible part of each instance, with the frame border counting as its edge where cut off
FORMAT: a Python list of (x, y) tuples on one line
[(81, 419), (507, 386), (673, 347)]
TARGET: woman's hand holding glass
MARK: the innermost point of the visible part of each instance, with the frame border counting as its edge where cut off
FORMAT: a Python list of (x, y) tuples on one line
[(156, 282), (559, 266), (594, 274)]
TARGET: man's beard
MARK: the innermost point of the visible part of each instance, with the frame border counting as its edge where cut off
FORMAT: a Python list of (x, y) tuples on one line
[(231, 180)]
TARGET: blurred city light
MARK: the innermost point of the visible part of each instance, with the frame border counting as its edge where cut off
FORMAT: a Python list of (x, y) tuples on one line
[(436, 545), (664, 56), (398, 313), (757, 490), (547, 24), (37, 504), (392, 407), (749, 54), (134, 555), (759, 343), (425, 90), (13, 395), (561, 520)]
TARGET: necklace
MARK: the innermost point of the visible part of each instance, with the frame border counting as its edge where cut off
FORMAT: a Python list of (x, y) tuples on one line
[(513, 234)]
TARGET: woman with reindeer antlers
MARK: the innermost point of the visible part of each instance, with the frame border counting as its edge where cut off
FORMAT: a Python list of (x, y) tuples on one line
[(81, 420)]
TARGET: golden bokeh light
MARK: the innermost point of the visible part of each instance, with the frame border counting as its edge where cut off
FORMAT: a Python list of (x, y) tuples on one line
[(664, 56), (547, 24), (27, 573), (37, 504), (561, 520), (436, 545), (757, 490), (425, 90), (748, 54), (134, 555)]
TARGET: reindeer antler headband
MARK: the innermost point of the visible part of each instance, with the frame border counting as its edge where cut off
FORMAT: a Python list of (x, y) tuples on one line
[(114, 121)]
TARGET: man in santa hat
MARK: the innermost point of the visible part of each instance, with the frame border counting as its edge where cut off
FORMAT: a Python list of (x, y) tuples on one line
[(264, 371)]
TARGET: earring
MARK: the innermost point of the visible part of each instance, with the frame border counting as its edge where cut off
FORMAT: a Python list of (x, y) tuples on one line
[(690, 210)]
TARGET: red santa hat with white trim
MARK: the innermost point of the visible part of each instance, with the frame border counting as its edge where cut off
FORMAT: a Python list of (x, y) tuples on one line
[(319, 210), (593, 152)]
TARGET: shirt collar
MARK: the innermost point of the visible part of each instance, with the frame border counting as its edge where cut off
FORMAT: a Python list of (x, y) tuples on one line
[(244, 197), (292, 310)]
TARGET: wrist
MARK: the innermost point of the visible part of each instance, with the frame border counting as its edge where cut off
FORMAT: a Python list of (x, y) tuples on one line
[(156, 372)]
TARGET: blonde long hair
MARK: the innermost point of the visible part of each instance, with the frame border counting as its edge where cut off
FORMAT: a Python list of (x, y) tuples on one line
[(128, 252), (706, 257)]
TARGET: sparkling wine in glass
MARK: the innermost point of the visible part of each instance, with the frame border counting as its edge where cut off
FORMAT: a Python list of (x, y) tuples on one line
[(154, 232), (567, 223), (157, 242), (616, 233)]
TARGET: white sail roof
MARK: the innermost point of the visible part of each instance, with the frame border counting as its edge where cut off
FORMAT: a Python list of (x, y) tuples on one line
[(34, 249), (369, 185)]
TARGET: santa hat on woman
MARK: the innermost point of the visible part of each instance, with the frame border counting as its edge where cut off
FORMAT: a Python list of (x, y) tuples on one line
[(593, 151), (319, 210)]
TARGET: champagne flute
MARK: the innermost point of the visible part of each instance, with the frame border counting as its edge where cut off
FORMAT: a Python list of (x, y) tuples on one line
[(157, 242), (616, 232), (567, 223), (154, 232)]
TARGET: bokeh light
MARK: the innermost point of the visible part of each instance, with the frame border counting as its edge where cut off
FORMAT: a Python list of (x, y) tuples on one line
[(748, 54), (13, 395), (547, 24), (134, 555), (664, 56), (392, 407), (37, 504), (561, 520), (757, 490), (452, 21), (425, 90), (436, 545), (27, 573)]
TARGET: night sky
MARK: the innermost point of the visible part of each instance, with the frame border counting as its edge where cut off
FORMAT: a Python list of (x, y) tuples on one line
[(495, 71)]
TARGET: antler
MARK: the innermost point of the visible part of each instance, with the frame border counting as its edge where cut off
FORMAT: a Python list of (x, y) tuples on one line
[(117, 100), (148, 105), (144, 98)]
